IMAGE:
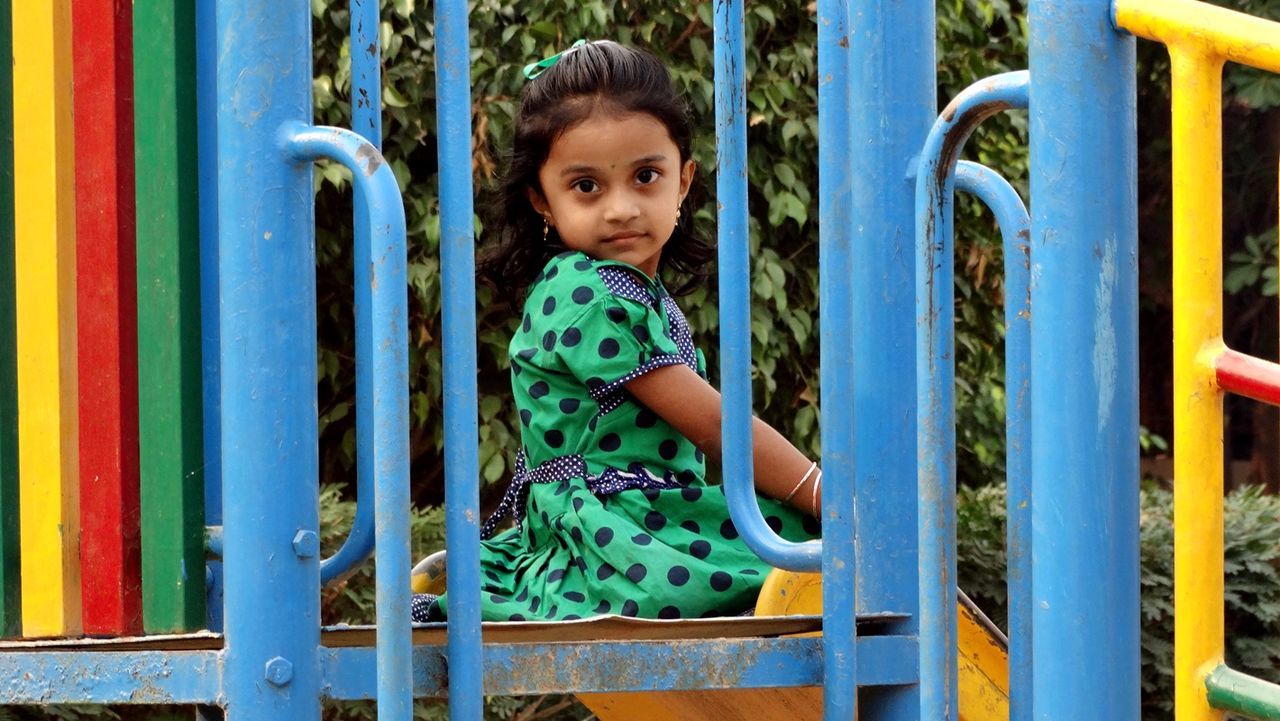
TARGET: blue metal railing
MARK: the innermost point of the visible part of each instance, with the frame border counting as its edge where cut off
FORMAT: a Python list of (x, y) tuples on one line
[(458, 308), (835, 555), (1015, 229), (1084, 349), (837, 359), (735, 299), (383, 325), (366, 121), (935, 377)]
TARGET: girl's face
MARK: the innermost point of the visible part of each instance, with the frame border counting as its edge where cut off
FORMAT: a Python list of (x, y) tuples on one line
[(612, 186)]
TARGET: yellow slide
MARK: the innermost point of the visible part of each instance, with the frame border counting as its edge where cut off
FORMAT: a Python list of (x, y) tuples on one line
[(983, 672)]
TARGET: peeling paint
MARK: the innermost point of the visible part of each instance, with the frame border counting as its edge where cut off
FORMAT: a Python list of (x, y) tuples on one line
[(1105, 362)]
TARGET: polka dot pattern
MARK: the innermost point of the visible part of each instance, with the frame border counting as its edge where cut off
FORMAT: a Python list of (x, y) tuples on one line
[(608, 502)]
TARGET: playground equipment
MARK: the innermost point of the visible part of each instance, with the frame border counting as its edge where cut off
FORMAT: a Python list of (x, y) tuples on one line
[(888, 167)]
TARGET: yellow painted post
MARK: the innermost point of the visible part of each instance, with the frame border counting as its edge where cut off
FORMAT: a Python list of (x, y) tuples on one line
[(1200, 38), (44, 222), (1197, 340)]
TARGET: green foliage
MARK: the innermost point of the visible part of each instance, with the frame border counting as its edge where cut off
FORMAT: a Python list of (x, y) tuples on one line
[(350, 600), (1254, 266), (1252, 580), (976, 38)]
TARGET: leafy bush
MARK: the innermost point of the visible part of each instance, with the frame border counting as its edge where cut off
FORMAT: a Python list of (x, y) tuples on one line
[(1252, 583)]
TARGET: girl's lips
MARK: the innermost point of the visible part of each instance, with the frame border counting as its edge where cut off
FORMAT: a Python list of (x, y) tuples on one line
[(623, 236)]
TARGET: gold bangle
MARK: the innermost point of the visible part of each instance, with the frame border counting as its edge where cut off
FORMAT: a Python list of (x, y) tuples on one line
[(812, 467), (813, 499)]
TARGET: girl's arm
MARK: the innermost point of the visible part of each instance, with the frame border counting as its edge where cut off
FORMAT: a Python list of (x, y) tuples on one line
[(692, 406)]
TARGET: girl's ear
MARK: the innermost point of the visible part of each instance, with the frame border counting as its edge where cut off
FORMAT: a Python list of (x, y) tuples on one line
[(539, 204), (686, 177)]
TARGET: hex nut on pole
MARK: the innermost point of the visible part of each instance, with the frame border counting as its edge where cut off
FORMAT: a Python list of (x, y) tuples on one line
[(306, 544), (278, 671)]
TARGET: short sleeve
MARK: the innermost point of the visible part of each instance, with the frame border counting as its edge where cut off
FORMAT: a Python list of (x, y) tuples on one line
[(614, 341)]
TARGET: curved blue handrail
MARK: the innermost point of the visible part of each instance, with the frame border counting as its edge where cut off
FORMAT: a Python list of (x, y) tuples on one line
[(935, 379), (735, 300), (366, 121), (383, 330), (1015, 229)]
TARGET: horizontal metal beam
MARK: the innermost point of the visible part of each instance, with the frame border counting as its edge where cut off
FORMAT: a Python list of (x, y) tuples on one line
[(114, 677), (1248, 376), (188, 677), (622, 666), (1240, 693)]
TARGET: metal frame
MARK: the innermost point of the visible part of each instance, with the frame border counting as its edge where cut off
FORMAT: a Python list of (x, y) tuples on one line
[(1200, 39), (1084, 378), (938, 172), (876, 62)]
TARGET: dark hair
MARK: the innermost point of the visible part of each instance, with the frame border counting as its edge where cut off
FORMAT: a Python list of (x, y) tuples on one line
[(598, 75)]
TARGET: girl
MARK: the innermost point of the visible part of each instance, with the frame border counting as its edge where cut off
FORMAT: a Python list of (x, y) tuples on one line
[(611, 511)]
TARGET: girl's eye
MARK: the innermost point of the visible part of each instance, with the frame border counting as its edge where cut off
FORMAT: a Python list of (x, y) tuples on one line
[(647, 176), (585, 186)]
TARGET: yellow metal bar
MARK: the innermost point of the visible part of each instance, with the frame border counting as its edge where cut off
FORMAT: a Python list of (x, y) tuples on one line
[(1200, 38), (44, 222), (1211, 30), (1197, 340)]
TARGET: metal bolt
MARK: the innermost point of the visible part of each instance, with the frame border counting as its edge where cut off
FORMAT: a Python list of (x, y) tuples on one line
[(306, 544), (279, 672)]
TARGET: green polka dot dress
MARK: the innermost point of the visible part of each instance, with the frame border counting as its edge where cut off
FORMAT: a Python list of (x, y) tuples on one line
[(613, 515)]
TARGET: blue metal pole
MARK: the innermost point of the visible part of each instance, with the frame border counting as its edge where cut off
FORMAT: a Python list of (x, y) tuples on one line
[(894, 87), (267, 354), (366, 120), (1015, 228), (835, 268), (1084, 432), (935, 381), (387, 375), (207, 172), (458, 308), (735, 299)]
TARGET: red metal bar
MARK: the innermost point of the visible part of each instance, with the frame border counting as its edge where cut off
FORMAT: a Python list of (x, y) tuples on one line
[(1248, 376), (106, 283)]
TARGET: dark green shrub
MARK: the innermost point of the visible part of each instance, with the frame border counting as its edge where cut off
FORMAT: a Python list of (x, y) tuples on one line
[(1252, 582)]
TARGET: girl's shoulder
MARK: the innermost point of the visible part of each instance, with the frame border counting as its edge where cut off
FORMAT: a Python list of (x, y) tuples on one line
[(575, 280)]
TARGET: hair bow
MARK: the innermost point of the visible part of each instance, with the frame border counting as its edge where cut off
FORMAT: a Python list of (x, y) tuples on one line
[(533, 70)]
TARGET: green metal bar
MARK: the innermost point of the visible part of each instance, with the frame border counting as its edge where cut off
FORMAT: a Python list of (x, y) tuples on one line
[(10, 580), (1244, 695), (169, 362)]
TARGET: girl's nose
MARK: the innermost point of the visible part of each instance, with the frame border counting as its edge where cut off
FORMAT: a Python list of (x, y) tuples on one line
[(621, 208)]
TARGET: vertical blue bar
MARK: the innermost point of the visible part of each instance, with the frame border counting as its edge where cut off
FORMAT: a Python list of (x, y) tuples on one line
[(458, 308), (395, 672), (893, 87), (839, 557), (366, 75), (207, 172), (267, 355), (936, 419), (1084, 431)]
